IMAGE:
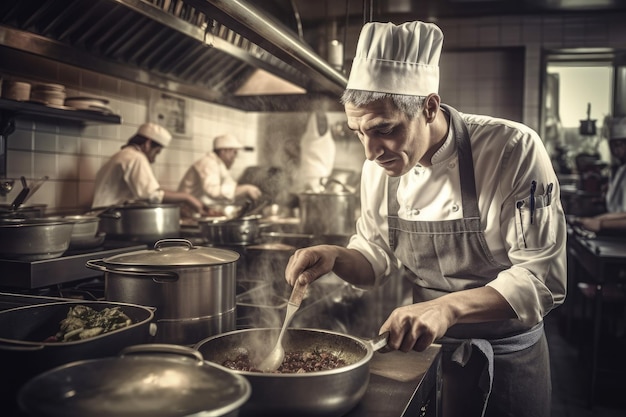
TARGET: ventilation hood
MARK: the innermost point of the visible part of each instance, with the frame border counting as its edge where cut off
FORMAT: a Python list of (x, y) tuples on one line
[(227, 52)]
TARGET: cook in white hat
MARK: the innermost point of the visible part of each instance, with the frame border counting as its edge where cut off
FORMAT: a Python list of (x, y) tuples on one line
[(467, 208), (127, 176), (209, 178), (613, 221)]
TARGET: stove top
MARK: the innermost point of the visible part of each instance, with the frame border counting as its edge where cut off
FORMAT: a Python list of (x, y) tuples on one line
[(67, 268)]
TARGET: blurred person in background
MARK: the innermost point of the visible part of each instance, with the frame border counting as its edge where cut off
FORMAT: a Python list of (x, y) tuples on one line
[(317, 153), (209, 178), (128, 176), (614, 220)]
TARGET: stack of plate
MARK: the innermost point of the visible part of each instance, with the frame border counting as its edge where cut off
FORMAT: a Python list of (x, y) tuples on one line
[(16, 90), (97, 104), (48, 94)]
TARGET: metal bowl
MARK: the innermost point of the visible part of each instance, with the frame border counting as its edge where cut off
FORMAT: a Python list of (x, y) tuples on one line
[(34, 239)]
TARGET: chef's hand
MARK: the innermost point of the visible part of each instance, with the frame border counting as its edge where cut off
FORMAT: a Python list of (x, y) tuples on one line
[(593, 224), (308, 264), (417, 326), (248, 190)]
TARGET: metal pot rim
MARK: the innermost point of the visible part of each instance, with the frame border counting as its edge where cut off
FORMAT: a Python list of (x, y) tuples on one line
[(184, 255)]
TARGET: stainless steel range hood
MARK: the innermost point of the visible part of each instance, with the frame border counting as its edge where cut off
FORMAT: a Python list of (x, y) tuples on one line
[(206, 49)]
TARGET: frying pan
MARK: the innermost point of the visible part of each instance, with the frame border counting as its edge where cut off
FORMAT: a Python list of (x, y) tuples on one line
[(23, 331), (324, 393)]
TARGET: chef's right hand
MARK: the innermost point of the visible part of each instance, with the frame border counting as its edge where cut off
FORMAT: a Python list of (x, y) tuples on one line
[(308, 264)]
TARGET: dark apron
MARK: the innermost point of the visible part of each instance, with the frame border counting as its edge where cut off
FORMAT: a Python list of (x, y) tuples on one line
[(489, 369)]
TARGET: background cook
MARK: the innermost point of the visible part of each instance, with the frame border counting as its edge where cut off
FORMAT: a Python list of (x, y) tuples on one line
[(209, 178), (467, 207), (127, 176)]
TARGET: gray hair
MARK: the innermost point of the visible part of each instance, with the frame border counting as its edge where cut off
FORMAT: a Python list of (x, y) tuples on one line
[(409, 105)]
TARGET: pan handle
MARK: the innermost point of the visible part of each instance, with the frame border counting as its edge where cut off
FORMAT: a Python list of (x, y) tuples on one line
[(163, 348), (157, 276)]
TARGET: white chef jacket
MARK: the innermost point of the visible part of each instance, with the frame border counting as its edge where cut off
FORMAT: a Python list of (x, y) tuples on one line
[(209, 180), (318, 155), (616, 194), (507, 157), (126, 176)]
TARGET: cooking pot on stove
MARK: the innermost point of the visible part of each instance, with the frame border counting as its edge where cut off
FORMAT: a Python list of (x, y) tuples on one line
[(144, 380), (141, 222), (328, 213), (222, 231), (193, 288), (28, 212), (34, 239)]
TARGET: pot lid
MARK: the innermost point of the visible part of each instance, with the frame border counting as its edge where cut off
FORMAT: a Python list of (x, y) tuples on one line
[(145, 380), (174, 253)]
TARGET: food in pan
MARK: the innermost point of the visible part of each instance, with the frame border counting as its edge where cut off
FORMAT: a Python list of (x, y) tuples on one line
[(83, 322), (294, 362)]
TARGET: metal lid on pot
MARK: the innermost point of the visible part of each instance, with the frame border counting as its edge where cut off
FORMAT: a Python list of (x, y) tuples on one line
[(145, 380), (174, 253)]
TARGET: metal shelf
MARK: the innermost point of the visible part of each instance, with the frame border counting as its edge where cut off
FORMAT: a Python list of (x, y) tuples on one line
[(12, 109)]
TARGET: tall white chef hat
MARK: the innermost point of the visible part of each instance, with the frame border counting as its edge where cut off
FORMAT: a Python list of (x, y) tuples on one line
[(398, 59), (226, 142), (156, 133), (617, 128)]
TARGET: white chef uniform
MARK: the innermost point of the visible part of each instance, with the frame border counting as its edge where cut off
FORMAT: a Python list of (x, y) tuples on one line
[(209, 180)]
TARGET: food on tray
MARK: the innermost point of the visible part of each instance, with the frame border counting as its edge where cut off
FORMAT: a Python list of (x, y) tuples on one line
[(83, 322), (294, 362)]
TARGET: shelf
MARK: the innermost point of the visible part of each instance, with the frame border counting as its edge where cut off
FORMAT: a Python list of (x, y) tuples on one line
[(31, 110), (12, 109)]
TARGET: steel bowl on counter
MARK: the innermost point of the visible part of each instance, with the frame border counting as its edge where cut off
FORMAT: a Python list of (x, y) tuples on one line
[(34, 239), (25, 345), (152, 380), (192, 287), (324, 393), (140, 222)]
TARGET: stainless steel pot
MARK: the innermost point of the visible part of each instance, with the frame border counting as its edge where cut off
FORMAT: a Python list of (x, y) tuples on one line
[(23, 331), (325, 393), (139, 222), (34, 239), (85, 226), (244, 231), (328, 213), (193, 288), (143, 381)]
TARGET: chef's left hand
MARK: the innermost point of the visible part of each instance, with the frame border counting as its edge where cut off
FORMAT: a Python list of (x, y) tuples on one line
[(417, 326), (593, 224)]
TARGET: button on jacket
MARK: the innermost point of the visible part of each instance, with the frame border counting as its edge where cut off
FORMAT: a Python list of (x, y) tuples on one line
[(507, 158), (126, 176)]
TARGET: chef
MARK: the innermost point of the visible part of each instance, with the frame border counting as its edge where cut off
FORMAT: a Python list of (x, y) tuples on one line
[(615, 217), (127, 176), (464, 206), (317, 153), (209, 178)]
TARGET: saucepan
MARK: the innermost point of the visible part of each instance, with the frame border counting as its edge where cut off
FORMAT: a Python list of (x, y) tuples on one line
[(153, 380), (324, 393)]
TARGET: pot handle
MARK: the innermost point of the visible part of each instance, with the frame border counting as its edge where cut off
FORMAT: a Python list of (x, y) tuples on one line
[(379, 343), (157, 276), (163, 348), (174, 242)]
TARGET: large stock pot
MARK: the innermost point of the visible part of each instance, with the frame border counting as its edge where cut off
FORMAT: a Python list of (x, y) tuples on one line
[(192, 288), (328, 213)]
